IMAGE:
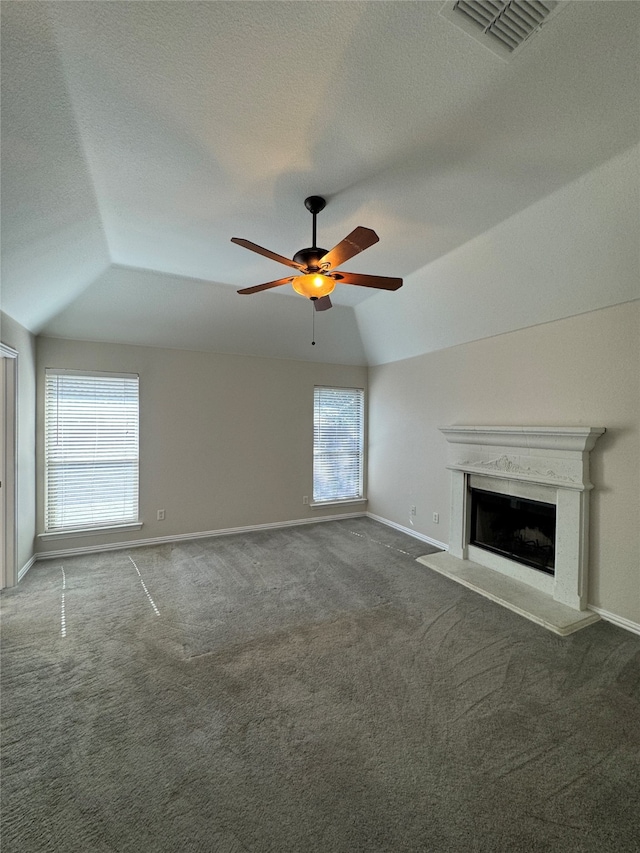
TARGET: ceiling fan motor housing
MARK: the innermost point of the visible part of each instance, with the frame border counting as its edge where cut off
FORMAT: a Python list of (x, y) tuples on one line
[(310, 257)]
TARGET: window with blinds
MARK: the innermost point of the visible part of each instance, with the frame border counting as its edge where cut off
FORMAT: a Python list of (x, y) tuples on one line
[(338, 443), (91, 450)]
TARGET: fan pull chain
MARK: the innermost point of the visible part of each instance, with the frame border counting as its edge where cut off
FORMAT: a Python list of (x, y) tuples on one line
[(313, 324)]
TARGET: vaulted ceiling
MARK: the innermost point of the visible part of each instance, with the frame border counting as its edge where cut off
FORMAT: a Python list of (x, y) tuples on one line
[(139, 137)]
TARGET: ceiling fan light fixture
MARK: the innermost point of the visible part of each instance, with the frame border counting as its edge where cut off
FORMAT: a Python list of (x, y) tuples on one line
[(314, 285)]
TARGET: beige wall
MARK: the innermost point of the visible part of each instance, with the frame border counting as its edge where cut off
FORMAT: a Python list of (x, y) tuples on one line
[(225, 441), (18, 338), (582, 371)]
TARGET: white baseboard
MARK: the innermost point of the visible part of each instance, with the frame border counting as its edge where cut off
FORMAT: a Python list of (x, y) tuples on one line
[(620, 621), (162, 540), (26, 567), (410, 531)]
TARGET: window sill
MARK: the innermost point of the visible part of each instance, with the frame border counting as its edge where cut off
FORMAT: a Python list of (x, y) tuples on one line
[(88, 531), (317, 504)]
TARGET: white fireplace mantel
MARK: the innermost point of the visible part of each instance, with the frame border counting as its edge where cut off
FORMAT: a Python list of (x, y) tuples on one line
[(550, 438), (545, 455), (548, 464)]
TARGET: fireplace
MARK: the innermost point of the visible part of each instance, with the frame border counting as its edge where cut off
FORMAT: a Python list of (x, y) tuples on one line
[(520, 505), (516, 528)]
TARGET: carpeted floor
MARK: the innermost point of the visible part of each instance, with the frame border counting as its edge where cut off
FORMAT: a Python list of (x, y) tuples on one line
[(312, 689)]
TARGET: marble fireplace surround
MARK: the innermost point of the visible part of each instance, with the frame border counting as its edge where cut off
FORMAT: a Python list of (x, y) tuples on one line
[(549, 464)]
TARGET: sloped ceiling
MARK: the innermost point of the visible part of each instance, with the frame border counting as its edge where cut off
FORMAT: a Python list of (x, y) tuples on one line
[(139, 137)]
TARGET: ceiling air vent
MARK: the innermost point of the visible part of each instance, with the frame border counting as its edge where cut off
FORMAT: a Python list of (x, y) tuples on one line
[(501, 25)]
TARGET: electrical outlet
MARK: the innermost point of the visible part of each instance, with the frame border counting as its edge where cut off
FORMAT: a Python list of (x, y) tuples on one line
[(305, 499), (436, 518), (412, 510), (160, 515)]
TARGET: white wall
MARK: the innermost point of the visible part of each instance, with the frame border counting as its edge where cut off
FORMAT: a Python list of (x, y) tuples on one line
[(579, 371), (14, 335), (53, 243), (226, 441), (145, 308), (574, 251)]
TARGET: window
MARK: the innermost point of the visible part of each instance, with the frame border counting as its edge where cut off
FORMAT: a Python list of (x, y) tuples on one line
[(91, 450), (338, 444)]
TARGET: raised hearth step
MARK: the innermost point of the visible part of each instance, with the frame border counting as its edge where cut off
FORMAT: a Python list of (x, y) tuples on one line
[(517, 596)]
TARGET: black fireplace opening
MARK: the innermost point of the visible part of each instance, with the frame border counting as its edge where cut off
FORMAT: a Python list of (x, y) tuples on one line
[(516, 528)]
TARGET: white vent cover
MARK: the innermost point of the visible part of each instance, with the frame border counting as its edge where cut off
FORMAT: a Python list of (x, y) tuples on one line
[(501, 25)]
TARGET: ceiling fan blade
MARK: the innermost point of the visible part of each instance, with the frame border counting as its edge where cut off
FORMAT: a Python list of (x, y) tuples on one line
[(382, 282), (247, 244), (322, 304), (354, 243), (269, 284)]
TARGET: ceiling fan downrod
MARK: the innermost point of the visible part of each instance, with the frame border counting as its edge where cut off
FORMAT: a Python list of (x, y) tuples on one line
[(310, 257), (314, 204)]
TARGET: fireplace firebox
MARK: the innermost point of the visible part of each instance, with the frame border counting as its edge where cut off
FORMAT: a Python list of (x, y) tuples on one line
[(514, 527)]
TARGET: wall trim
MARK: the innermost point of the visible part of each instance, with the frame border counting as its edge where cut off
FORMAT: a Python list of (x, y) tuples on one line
[(26, 567), (620, 621), (206, 534), (9, 450), (7, 351), (52, 535), (409, 531)]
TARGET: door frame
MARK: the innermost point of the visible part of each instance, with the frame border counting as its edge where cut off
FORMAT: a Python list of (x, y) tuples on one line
[(9, 367)]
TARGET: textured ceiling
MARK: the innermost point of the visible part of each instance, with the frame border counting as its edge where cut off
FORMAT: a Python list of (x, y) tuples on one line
[(140, 137)]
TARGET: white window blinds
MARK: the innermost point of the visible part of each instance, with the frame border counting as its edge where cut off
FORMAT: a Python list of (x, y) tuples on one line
[(91, 449), (338, 443)]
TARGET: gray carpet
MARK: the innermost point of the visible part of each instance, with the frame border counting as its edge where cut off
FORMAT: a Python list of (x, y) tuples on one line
[(307, 689)]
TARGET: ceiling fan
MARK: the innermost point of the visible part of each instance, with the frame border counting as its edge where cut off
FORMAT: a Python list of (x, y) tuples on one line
[(317, 267)]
